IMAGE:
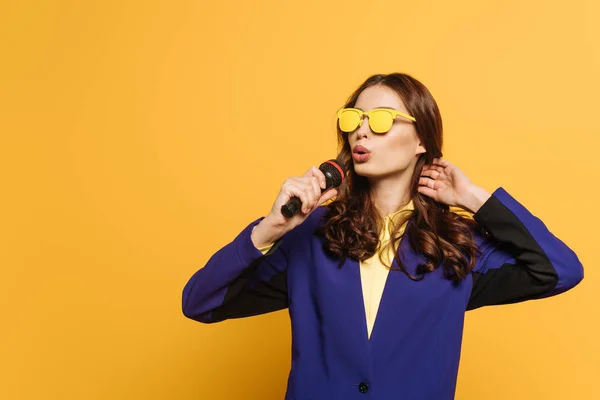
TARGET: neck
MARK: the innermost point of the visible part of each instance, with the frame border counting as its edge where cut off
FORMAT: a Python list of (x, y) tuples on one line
[(391, 193)]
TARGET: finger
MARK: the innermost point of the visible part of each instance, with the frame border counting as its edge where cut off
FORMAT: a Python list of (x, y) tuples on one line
[(311, 191), (439, 161), (315, 191), (427, 182), (310, 198), (328, 195), (427, 191), (435, 167), (431, 173), (316, 172), (292, 188), (316, 184)]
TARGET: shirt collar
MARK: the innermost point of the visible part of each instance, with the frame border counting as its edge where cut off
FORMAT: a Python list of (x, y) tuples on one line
[(408, 207), (392, 219)]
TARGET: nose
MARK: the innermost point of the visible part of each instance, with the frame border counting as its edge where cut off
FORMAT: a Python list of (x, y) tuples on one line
[(364, 129)]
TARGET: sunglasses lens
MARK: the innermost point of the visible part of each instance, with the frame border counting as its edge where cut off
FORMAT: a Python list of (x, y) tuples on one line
[(381, 121), (349, 120)]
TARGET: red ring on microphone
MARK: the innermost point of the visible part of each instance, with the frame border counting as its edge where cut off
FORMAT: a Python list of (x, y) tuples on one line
[(337, 167)]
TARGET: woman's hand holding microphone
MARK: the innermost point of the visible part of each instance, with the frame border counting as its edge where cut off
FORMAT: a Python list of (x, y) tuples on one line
[(310, 188)]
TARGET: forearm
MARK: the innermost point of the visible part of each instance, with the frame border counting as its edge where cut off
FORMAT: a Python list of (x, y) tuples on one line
[(474, 198), (207, 288), (524, 260), (266, 233)]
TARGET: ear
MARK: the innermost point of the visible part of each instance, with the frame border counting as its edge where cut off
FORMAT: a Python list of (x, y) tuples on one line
[(420, 149)]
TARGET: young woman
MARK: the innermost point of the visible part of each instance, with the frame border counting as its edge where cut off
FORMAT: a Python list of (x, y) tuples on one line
[(377, 281)]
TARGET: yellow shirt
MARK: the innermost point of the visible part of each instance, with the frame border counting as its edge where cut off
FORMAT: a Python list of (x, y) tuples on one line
[(373, 273)]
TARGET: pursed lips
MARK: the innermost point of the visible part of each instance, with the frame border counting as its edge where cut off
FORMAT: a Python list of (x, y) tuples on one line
[(360, 149)]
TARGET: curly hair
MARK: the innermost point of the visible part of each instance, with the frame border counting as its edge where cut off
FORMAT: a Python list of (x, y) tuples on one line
[(352, 224)]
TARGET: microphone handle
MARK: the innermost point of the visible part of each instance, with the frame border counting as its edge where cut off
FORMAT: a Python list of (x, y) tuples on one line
[(293, 206)]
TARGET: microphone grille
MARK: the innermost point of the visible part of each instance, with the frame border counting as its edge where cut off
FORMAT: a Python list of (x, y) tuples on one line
[(334, 173)]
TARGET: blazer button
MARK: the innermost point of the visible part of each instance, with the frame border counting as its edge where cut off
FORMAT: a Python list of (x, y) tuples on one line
[(363, 387)]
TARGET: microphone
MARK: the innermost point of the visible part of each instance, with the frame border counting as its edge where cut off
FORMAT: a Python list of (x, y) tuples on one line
[(334, 176)]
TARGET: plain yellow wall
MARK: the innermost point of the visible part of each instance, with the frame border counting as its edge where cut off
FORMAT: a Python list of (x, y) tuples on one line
[(138, 137)]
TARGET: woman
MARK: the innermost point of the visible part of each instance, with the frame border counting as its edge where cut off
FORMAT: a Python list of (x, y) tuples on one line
[(378, 280)]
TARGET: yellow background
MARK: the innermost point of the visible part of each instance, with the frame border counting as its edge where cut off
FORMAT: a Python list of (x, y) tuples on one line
[(138, 137)]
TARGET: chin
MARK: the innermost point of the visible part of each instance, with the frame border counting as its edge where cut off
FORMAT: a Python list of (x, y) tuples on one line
[(370, 170), (363, 169)]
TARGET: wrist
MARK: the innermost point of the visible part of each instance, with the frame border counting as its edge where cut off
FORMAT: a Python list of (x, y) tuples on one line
[(265, 233), (474, 198)]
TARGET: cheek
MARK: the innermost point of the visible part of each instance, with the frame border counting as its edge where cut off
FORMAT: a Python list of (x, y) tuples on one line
[(401, 143), (398, 152)]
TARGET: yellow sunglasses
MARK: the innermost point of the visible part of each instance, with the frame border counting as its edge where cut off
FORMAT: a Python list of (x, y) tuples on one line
[(380, 119)]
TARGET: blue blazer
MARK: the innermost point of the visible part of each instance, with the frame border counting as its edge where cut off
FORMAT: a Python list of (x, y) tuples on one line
[(414, 349)]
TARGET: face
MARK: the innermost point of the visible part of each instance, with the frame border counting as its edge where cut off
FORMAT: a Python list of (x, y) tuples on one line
[(392, 153)]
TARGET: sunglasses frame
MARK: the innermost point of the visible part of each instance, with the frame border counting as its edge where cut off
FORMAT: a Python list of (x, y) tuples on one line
[(361, 113)]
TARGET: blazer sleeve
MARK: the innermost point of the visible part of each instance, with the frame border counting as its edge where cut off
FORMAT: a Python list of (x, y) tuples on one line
[(520, 259), (238, 281)]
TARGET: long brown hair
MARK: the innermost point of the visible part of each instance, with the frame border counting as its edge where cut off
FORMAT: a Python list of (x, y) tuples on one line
[(352, 223)]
